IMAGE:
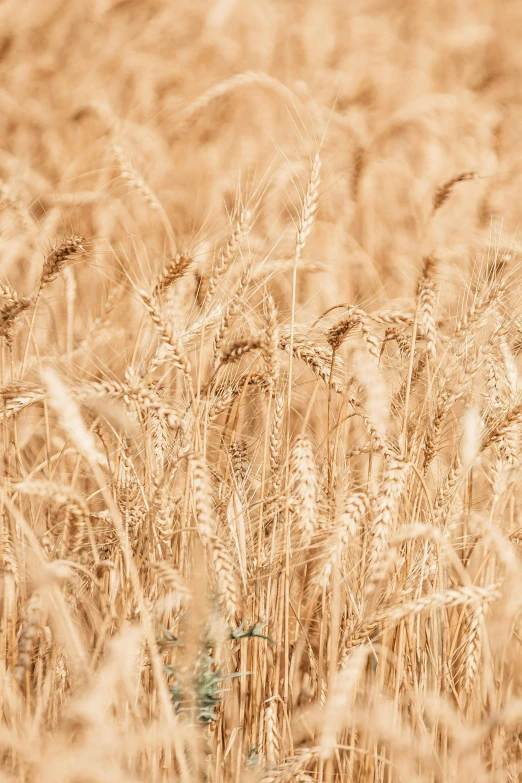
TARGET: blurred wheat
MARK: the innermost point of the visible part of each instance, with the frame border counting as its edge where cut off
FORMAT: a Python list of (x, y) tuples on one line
[(260, 415)]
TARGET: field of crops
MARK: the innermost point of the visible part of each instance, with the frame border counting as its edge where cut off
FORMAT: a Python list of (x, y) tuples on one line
[(260, 408)]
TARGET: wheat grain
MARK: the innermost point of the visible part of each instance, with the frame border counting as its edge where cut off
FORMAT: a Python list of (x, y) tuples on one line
[(70, 417), (304, 488), (443, 192), (427, 304), (173, 345), (473, 645), (173, 271), (228, 253), (271, 345), (272, 741), (345, 528), (34, 621), (58, 257), (309, 207), (393, 485), (234, 353)]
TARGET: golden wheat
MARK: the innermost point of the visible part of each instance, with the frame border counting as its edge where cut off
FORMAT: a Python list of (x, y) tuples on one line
[(260, 408)]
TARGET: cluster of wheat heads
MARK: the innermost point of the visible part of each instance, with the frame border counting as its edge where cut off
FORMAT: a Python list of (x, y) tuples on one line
[(239, 546)]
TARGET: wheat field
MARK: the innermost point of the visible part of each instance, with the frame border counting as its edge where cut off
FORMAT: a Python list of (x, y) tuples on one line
[(260, 409)]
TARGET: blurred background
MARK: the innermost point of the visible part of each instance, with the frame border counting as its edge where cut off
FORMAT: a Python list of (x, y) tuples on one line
[(215, 102)]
